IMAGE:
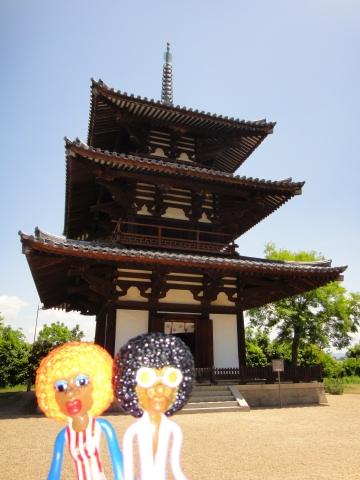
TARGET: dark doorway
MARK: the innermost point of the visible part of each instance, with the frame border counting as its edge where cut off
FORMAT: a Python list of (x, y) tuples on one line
[(188, 339), (195, 330), (180, 325)]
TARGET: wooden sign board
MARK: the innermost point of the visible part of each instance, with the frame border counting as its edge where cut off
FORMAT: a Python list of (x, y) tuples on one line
[(167, 327), (178, 327), (278, 365)]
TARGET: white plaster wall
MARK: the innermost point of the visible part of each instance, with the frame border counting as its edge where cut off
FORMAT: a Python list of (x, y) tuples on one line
[(143, 211), (225, 340), (184, 156), (204, 218), (179, 296), (222, 299), (129, 323), (176, 213), (132, 294)]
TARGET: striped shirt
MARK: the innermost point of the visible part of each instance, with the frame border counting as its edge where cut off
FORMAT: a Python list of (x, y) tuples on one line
[(84, 447)]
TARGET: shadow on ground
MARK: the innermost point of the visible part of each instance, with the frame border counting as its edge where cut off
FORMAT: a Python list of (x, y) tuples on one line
[(18, 405)]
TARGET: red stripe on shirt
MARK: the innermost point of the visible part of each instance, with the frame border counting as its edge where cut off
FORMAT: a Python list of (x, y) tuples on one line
[(79, 456), (96, 450), (85, 449), (68, 435)]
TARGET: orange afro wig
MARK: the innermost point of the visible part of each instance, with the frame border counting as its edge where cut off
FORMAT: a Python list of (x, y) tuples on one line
[(67, 361)]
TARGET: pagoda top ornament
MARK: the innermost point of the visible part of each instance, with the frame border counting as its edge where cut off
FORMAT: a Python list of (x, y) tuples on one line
[(167, 87)]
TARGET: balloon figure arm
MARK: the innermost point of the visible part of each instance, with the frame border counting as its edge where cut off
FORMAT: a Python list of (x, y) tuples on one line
[(175, 453), (56, 463), (113, 446)]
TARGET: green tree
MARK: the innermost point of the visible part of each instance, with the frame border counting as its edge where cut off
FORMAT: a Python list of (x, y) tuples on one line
[(354, 351), (313, 355), (49, 337), (58, 333), (14, 353), (325, 316), (351, 366)]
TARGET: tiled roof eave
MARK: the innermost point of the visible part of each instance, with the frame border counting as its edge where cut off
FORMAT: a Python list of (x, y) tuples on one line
[(118, 161), (47, 243)]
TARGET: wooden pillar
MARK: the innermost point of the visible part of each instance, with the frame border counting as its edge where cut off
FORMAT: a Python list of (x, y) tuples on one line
[(106, 328), (156, 324), (241, 336), (158, 290), (204, 348), (204, 339)]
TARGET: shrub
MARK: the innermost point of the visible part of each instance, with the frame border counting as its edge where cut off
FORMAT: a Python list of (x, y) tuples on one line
[(313, 355), (255, 357), (333, 386)]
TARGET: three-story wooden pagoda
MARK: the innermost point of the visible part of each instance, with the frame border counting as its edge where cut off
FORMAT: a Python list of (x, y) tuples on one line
[(152, 212)]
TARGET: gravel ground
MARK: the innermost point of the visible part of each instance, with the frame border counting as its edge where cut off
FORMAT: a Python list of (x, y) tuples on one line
[(312, 442)]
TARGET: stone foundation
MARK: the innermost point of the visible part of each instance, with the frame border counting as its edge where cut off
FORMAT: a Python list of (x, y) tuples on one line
[(290, 393)]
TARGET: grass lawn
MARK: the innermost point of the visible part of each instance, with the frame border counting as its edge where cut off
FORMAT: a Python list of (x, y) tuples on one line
[(16, 388), (352, 388)]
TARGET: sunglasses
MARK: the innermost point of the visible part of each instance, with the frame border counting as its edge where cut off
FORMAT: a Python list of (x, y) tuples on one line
[(147, 377)]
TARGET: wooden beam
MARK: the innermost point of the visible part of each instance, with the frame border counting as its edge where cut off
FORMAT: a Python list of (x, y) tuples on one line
[(241, 336)]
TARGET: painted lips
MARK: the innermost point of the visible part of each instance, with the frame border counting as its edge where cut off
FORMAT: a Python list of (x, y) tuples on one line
[(73, 407)]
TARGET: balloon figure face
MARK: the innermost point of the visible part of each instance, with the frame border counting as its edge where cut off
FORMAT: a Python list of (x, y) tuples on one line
[(156, 388), (153, 370), (74, 379), (74, 395)]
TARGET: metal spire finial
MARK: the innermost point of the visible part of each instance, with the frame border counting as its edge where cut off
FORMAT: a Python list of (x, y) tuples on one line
[(167, 88)]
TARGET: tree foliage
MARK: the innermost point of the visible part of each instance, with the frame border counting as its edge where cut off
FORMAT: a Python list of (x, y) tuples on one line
[(58, 333), (14, 353), (325, 316), (354, 351), (49, 337)]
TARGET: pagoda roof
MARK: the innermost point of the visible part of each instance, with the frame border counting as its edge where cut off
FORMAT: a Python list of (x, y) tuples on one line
[(122, 161), (50, 258), (272, 194), (241, 136)]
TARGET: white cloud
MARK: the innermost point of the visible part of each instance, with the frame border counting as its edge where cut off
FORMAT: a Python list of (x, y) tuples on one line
[(21, 315), (10, 306)]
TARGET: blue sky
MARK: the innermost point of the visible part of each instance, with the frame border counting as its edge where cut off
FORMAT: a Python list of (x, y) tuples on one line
[(296, 63)]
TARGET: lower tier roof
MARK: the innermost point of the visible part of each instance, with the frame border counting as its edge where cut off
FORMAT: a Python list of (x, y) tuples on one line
[(83, 276)]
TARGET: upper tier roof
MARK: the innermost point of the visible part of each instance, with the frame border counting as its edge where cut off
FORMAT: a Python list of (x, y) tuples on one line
[(230, 140)]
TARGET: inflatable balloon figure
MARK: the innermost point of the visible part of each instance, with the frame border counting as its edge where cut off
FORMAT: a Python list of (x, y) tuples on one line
[(153, 379), (74, 384)]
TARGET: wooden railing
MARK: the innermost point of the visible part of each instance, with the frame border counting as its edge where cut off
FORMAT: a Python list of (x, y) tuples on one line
[(161, 236), (245, 374)]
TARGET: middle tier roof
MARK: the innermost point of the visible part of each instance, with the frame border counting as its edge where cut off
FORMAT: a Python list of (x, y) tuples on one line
[(241, 202)]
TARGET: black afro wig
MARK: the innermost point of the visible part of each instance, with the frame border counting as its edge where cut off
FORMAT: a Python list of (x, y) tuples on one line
[(154, 350)]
